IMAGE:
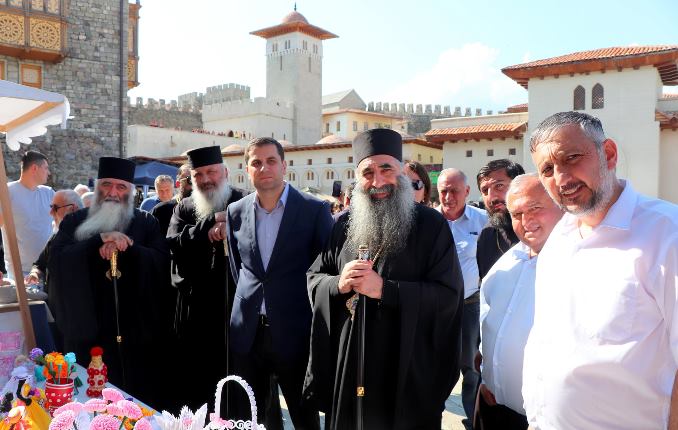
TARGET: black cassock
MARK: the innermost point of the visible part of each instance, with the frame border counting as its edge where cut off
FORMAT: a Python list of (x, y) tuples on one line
[(82, 299), (202, 276), (413, 335)]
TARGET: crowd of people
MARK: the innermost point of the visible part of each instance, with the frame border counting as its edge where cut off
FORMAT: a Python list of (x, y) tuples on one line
[(555, 303)]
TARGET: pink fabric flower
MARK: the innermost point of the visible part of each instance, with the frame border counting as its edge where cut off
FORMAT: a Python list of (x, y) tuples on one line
[(63, 421), (116, 410), (105, 422), (112, 395), (143, 424), (76, 407), (129, 409), (95, 405)]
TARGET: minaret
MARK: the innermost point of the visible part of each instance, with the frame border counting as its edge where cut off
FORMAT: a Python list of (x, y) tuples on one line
[(294, 53)]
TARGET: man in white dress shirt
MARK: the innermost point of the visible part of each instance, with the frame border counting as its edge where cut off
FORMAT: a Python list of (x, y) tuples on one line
[(603, 348), (507, 305), (466, 222)]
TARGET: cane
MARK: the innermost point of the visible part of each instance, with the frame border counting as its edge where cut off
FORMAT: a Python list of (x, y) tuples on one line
[(113, 274), (363, 254)]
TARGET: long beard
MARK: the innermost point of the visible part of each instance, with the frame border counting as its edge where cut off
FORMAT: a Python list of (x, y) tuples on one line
[(501, 219), (211, 201), (383, 225), (105, 216)]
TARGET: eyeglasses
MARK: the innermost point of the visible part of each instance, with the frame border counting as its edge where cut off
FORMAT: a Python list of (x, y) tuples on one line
[(56, 208), (186, 180), (417, 185)]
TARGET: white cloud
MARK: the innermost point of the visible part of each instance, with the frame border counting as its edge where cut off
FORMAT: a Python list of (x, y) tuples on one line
[(465, 76)]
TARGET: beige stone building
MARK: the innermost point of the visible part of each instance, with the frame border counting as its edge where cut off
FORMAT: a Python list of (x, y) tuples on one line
[(622, 86)]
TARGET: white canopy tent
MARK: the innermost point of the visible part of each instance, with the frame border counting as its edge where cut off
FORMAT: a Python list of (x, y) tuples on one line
[(25, 112)]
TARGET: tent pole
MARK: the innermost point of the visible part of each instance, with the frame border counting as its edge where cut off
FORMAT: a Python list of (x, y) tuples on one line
[(10, 233)]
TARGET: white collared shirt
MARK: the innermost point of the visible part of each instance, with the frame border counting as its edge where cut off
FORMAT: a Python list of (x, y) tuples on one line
[(466, 230), (506, 313), (604, 345)]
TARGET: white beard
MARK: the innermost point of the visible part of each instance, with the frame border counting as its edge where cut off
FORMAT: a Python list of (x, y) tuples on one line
[(106, 216), (212, 201)]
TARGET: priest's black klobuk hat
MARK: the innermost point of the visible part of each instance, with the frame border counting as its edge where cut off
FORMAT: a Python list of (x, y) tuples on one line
[(377, 141), (116, 168), (204, 156)]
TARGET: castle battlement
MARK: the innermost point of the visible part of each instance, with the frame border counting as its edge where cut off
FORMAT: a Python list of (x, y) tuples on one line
[(162, 104), (409, 109), (247, 107)]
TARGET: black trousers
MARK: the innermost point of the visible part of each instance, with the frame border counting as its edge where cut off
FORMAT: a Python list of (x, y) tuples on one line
[(261, 368), (499, 417)]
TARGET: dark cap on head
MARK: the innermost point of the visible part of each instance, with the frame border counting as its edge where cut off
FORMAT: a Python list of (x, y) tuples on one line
[(116, 168), (378, 141), (204, 156)]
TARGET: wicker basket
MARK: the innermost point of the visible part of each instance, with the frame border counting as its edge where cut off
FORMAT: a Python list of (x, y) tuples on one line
[(239, 424)]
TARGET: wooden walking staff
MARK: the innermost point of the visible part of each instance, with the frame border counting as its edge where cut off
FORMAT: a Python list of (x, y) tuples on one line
[(10, 234), (363, 254), (113, 274)]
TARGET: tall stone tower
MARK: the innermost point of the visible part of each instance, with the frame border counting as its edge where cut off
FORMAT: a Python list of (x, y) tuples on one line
[(294, 53)]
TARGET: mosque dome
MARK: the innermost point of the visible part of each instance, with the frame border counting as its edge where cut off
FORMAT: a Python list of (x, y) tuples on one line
[(331, 139), (232, 148), (294, 16)]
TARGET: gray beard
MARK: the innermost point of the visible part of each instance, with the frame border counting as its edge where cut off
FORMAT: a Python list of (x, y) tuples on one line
[(501, 220), (106, 216), (212, 201), (383, 225)]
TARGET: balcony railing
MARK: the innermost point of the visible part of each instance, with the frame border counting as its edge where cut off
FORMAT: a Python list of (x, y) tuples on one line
[(33, 29)]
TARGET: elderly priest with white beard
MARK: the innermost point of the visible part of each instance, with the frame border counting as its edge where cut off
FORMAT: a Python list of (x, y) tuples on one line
[(414, 289), (201, 271), (84, 297)]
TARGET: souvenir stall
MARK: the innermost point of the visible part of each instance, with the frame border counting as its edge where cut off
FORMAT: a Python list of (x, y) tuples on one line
[(47, 390)]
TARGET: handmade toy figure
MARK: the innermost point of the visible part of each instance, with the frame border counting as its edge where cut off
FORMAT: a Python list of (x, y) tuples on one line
[(97, 373)]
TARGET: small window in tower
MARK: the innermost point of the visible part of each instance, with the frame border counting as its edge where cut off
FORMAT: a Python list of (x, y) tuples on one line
[(366, 126), (329, 160), (355, 125), (31, 75), (309, 161), (309, 64), (431, 159), (469, 154), (338, 125), (281, 62), (350, 159), (327, 127), (284, 136), (597, 97), (579, 102), (418, 157), (239, 165), (512, 151), (490, 152), (305, 44), (291, 163)]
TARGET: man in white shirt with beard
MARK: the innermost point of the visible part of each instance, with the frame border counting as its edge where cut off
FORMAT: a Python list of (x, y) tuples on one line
[(507, 305), (603, 349)]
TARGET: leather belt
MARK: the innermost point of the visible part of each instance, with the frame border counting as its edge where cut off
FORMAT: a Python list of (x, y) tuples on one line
[(473, 298)]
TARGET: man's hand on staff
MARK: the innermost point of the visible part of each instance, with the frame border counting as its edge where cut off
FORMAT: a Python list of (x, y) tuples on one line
[(358, 276), (114, 240)]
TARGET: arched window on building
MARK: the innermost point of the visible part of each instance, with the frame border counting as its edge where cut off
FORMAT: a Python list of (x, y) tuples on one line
[(597, 97), (329, 175), (579, 102), (349, 174), (310, 176), (292, 177)]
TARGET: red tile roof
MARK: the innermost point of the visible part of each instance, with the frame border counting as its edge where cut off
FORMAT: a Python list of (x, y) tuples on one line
[(294, 21), (669, 96), (664, 57), (483, 131), (667, 120), (517, 108)]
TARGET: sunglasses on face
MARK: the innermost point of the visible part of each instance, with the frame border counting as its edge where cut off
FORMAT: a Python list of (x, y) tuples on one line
[(56, 208), (418, 185), (186, 180)]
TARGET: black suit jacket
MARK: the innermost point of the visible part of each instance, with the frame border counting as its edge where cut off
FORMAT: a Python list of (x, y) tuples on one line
[(304, 229)]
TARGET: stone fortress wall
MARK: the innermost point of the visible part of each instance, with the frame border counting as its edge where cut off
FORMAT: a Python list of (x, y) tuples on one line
[(419, 116)]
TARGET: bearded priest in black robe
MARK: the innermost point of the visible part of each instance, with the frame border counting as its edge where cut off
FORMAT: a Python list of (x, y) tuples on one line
[(83, 296), (414, 291), (201, 271)]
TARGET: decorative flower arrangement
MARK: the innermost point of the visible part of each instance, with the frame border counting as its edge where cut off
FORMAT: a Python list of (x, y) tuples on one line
[(16, 419), (113, 412), (54, 366)]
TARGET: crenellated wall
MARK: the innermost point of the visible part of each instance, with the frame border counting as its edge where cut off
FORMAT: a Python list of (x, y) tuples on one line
[(158, 113)]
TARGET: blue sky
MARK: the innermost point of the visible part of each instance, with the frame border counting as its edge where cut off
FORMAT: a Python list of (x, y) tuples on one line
[(431, 52)]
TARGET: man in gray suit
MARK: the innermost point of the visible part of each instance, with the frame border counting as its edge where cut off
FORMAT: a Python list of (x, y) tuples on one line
[(274, 234)]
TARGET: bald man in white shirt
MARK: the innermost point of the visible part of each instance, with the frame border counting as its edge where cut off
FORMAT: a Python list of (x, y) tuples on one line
[(602, 353), (507, 305)]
